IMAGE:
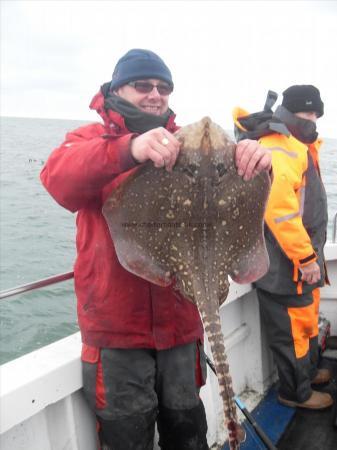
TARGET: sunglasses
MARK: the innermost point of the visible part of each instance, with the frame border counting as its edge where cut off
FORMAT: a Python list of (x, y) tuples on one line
[(145, 87)]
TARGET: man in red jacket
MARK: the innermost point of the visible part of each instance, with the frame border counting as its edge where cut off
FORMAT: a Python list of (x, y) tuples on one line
[(142, 344)]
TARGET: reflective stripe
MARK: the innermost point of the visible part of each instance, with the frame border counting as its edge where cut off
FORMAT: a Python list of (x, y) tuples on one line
[(296, 214), (283, 150), (287, 217)]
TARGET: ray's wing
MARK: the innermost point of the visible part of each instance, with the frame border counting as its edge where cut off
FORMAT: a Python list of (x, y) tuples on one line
[(234, 217), (247, 256), (150, 225)]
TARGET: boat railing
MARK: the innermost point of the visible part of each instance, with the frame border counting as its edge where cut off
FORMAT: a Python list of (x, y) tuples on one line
[(36, 285)]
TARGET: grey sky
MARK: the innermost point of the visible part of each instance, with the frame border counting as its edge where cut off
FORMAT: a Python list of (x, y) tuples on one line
[(56, 54)]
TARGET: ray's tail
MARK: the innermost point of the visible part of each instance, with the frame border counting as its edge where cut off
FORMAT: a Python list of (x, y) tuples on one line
[(236, 433)]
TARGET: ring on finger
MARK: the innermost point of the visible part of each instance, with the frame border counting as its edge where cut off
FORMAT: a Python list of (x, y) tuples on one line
[(164, 141)]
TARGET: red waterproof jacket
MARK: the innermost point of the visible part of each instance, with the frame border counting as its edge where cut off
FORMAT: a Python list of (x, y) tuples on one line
[(115, 308)]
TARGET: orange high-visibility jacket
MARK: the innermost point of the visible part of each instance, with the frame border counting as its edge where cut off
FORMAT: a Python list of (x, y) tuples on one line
[(296, 213)]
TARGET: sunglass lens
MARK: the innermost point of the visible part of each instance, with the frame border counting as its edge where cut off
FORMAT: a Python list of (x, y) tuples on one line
[(143, 88), (146, 88), (164, 89)]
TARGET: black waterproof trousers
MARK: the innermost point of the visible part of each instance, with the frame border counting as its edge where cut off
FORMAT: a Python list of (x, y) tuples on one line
[(291, 324), (132, 389)]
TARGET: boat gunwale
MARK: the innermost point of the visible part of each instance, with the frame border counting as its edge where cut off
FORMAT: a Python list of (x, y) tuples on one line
[(49, 374)]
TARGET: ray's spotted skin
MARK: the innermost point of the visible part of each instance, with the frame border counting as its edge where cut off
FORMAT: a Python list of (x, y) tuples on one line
[(194, 226)]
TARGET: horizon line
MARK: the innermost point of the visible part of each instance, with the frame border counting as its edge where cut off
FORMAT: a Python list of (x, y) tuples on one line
[(93, 121)]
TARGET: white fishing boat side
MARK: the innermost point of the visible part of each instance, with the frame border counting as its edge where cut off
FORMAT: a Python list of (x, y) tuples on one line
[(42, 405)]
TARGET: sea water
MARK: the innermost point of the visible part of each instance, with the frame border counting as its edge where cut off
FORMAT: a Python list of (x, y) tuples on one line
[(37, 236)]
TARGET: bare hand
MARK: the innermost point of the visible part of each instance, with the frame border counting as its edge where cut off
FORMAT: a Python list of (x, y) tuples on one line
[(251, 158), (158, 145), (311, 273)]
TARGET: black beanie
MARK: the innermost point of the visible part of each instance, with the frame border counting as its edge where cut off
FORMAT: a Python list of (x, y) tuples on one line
[(304, 97), (139, 64)]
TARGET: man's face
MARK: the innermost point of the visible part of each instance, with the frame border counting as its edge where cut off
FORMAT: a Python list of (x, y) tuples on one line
[(152, 102), (308, 115)]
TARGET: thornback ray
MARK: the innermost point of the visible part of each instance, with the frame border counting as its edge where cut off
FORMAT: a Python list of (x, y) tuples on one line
[(194, 227)]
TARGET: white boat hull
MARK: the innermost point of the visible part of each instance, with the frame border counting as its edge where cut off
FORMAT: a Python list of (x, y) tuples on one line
[(42, 406)]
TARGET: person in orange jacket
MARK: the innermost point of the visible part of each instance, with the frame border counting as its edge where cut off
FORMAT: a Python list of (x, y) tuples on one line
[(295, 234), (142, 355)]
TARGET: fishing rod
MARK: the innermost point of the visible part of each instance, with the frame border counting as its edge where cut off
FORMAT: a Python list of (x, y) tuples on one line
[(261, 434)]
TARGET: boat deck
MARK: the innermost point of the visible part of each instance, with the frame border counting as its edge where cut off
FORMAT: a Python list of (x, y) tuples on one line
[(314, 430), (295, 429)]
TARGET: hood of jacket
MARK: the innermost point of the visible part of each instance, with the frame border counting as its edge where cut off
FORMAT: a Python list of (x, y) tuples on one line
[(266, 122), (261, 123)]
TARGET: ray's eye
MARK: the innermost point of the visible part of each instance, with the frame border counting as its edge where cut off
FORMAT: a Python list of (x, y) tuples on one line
[(221, 170), (191, 170)]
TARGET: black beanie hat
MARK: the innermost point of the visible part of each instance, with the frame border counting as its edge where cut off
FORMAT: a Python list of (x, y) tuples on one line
[(139, 64), (304, 97)]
